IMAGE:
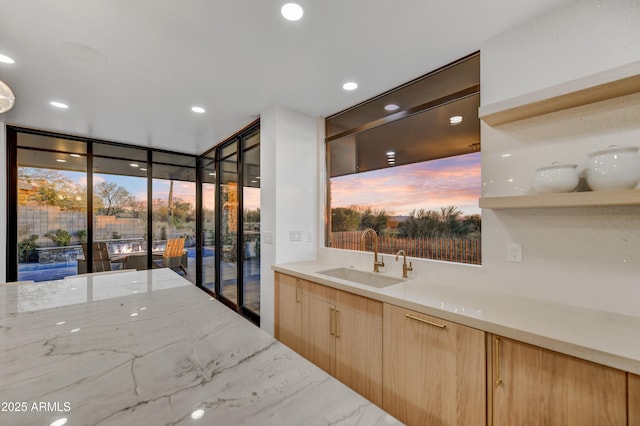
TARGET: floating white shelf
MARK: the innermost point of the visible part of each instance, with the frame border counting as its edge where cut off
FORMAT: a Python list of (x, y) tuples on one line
[(610, 84), (572, 199)]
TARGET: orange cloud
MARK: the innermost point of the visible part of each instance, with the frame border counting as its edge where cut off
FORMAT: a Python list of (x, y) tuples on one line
[(428, 185)]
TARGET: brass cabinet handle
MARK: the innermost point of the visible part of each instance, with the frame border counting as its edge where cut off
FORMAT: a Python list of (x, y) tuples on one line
[(435, 324), (331, 321), (298, 290), (496, 357), (337, 311)]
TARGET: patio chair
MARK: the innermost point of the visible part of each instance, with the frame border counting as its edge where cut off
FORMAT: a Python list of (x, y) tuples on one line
[(102, 261), (172, 256)]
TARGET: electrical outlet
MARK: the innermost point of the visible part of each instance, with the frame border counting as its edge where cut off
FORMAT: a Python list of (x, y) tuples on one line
[(514, 252)]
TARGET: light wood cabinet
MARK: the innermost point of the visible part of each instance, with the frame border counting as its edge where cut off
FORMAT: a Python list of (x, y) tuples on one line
[(338, 331), (288, 311), (634, 400), (434, 370), (359, 344), (531, 385), (318, 317)]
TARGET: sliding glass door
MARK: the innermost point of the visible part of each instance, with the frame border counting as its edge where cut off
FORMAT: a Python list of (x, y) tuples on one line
[(231, 222), (50, 202), (251, 224)]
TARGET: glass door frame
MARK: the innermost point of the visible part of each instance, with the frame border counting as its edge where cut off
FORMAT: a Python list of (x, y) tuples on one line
[(240, 139)]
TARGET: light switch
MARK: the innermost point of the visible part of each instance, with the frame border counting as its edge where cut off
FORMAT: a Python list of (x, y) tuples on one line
[(267, 237), (295, 235), (514, 252)]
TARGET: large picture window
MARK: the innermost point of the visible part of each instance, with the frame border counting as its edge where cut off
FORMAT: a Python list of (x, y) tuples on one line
[(407, 164), (84, 206)]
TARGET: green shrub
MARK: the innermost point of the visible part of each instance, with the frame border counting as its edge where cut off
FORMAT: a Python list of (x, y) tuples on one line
[(26, 246), (61, 238)]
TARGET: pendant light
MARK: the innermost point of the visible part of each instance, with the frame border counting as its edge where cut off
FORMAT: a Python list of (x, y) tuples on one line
[(6, 97)]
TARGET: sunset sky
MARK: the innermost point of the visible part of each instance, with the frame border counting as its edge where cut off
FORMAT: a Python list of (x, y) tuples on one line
[(428, 185), (184, 191)]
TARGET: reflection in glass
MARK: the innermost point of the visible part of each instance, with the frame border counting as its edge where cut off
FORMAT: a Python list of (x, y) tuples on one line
[(229, 224), (208, 224), (251, 226)]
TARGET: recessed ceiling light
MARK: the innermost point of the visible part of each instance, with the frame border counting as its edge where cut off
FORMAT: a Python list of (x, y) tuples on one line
[(391, 153), (134, 165), (74, 155), (60, 160), (391, 107), (142, 169), (507, 155), (59, 105), (212, 174), (198, 109), (6, 60), (350, 85), (292, 11), (59, 422), (456, 119)]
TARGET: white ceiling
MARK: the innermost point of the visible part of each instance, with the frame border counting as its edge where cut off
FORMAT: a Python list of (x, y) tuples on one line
[(130, 70)]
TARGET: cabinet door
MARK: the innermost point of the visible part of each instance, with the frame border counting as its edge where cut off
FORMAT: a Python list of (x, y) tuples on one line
[(434, 370), (288, 321), (359, 345), (634, 400), (318, 325), (536, 386)]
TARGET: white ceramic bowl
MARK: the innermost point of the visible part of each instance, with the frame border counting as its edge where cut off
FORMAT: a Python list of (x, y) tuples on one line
[(614, 168), (556, 178)]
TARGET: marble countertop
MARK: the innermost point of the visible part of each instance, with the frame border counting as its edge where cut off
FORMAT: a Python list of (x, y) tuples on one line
[(603, 337), (149, 348)]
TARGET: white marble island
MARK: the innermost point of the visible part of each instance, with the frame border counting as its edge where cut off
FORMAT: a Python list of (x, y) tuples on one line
[(149, 348)]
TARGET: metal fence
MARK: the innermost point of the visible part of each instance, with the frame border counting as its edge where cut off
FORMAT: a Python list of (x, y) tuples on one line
[(461, 250)]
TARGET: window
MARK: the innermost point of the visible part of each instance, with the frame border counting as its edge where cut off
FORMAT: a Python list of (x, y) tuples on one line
[(407, 164), (72, 196)]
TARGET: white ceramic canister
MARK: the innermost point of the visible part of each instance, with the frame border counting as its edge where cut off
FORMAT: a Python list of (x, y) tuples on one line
[(614, 168), (556, 178)]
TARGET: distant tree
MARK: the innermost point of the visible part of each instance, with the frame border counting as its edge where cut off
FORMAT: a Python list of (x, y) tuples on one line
[(344, 219), (183, 211), (374, 218), (446, 223), (474, 224), (252, 216), (421, 223), (51, 188), (115, 198)]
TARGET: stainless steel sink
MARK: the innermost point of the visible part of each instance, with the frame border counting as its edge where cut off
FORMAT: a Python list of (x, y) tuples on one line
[(361, 277)]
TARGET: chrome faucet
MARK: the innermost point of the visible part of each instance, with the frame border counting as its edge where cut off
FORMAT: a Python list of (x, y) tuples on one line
[(405, 268), (376, 263)]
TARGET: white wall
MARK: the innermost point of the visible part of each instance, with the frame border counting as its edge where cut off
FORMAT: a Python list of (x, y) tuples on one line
[(586, 257), (288, 143)]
